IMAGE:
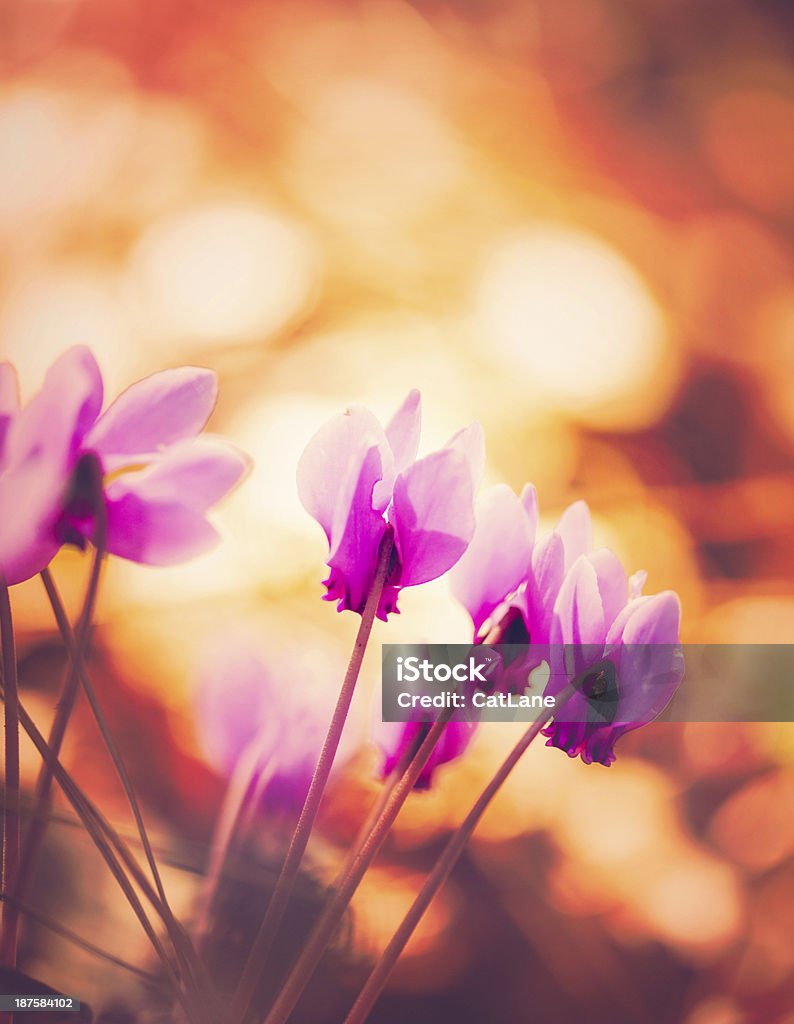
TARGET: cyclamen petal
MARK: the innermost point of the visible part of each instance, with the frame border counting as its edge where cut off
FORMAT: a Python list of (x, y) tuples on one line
[(9, 389), (529, 502), (9, 402), (155, 532), (432, 515), (648, 657), (396, 738), (154, 413), (53, 422), (612, 582), (498, 558), (543, 586), (637, 582), (276, 709), (41, 440), (470, 441), (356, 480), (576, 530), (404, 429), (655, 619), (490, 590), (579, 611), (356, 534), (157, 515), (161, 481), (328, 470), (197, 473)]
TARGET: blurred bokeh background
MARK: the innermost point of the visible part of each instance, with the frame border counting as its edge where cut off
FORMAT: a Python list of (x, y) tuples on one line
[(571, 220)]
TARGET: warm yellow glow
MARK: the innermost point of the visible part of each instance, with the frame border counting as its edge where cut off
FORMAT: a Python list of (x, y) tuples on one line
[(572, 317), (223, 271), (78, 305), (693, 902), (373, 154), (58, 148), (383, 899)]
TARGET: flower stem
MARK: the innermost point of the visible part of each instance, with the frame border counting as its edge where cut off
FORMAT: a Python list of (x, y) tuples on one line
[(119, 861), (101, 833), (10, 866), (441, 872), (177, 934), (252, 765), (352, 874), (37, 828), (68, 638), (278, 903), (155, 981)]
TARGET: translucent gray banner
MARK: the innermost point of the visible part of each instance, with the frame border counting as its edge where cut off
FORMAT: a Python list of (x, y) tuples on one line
[(589, 683)]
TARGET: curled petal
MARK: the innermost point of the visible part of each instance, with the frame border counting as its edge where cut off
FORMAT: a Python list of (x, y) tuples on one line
[(42, 440), (403, 431), (576, 530), (433, 515), (648, 657), (157, 516), (155, 532), (548, 572), (197, 473), (55, 420), (636, 583), (498, 557), (529, 500), (579, 617), (29, 498), (612, 584), (154, 412), (355, 538), (654, 619), (471, 442), (330, 466)]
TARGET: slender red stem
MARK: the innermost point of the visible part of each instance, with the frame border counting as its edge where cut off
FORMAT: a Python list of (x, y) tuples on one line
[(118, 858), (10, 866), (263, 942), (351, 876), (179, 937), (441, 872), (50, 923), (37, 828)]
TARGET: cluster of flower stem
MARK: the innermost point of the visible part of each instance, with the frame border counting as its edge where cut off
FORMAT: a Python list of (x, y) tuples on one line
[(180, 953)]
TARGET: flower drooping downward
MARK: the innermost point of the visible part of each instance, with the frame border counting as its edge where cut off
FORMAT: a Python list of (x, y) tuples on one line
[(508, 580), (359, 480), (622, 646), (579, 611), (158, 477)]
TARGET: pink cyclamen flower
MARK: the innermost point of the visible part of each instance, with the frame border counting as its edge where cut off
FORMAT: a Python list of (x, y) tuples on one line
[(159, 478), (265, 714), (358, 480), (623, 646), (507, 580), (557, 591), (398, 739)]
